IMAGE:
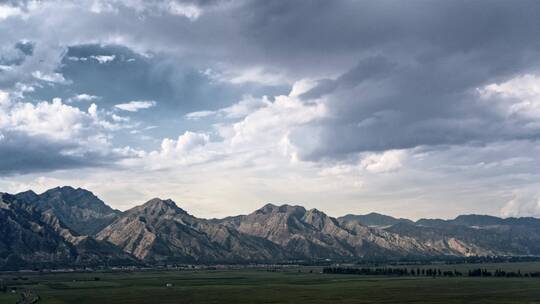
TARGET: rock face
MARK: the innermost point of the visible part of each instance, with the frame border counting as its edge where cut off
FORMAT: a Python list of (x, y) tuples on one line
[(160, 231), (475, 235), (31, 238), (311, 234), (66, 226), (79, 209), (447, 243), (25, 238)]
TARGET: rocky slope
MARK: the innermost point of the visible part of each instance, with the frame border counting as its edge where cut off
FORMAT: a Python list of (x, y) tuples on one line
[(311, 234), (161, 231), (31, 238), (79, 209), (474, 235), (67, 226)]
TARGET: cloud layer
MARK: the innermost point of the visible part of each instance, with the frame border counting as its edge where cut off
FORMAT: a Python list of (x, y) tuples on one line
[(423, 108)]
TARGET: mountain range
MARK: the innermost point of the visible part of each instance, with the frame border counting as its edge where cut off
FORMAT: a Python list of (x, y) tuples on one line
[(65, 226)]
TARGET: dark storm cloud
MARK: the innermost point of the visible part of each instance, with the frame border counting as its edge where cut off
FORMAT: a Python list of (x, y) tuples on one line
[(394, 74), (419, 87), (325, 30), (20, 154), (175, 83), (176, 86), (371, 68)]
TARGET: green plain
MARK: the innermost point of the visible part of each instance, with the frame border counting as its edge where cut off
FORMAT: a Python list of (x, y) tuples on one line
[(298, 285)]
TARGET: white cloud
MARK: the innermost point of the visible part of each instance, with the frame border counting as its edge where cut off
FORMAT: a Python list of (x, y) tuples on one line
[(522, 204), (92, 110), (73, 58), (259, 75), (199, 114), (276, 120), (6, 67), (383, 162), (241, 109), (190, 11), (103, 58), (523, 87), (50, 77), (339, 170), (84, 97), (170, 7), (259, 134), (134, 106), (22, 88), (4, 99), (185, 143), (7, 11), (56, 122), (119, 122), (118, 118), (244, 107), (388, 161), (258, 138), (302, 86), (190, 148), (48, 136), (518, 96)]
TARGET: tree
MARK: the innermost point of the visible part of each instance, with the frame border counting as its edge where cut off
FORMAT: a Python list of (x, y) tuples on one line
[(3, 286)]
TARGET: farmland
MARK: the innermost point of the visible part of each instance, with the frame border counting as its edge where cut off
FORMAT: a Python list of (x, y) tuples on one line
[(290, 285)]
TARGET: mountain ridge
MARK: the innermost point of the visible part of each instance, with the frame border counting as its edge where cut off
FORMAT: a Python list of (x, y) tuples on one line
[(78, 208), (373, 219), (81, 228), (159, 230), (29, 236)]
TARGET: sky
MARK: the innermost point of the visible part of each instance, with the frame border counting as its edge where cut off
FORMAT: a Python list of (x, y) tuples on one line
[(408, 108)]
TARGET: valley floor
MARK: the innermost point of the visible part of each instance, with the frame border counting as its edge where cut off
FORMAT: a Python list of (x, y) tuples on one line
[(297, 285)]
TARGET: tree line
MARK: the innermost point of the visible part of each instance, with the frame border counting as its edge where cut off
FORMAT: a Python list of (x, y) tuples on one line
[(429, 272)]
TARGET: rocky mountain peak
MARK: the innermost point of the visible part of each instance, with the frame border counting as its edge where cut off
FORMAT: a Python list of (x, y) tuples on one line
[(79, 209), (477, 220), (374, 219), (75, 197), (158, 230), (287, 209), (315, 214), (67, 191), (159, 207), (28, 196)]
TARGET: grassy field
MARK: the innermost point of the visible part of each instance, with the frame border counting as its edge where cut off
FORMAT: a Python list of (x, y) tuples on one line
[(260, 286)]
